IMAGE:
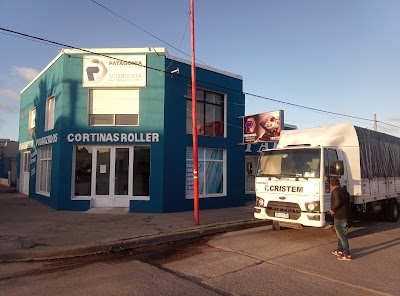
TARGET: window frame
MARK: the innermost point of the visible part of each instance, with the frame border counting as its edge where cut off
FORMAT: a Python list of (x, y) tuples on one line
[(32, 121), (94, 149), (202, 107), (90, 116), (202, 161), (44, 169), (49, 116), (251, 161)]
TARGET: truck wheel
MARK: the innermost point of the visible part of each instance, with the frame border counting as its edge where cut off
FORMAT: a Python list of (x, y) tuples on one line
[(392, 210), (275, 225)]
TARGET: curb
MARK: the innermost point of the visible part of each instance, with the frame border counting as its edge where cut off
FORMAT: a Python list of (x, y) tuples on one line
[(127, 244)]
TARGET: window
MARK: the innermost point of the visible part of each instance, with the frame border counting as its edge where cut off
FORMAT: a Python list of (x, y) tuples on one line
[(329, 161), (26, 161), (330, 157), (32, 121), (83, 170), (251, 172), (49, 120), (211, 172), (290, 163), (43, 179), (141, 171), (209, 113), (126, 169), (113, 107)]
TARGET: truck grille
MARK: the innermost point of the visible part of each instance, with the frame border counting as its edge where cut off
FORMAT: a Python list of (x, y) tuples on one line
[(293, 209)]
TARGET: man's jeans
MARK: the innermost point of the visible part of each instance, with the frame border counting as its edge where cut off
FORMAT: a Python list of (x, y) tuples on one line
[(341, 231)]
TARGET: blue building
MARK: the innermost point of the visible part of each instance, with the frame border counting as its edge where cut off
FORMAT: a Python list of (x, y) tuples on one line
[(112, 128)]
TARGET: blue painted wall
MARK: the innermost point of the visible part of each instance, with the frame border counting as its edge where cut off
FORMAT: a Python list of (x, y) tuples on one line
[(48, 84), (176, 138), (162, 110)]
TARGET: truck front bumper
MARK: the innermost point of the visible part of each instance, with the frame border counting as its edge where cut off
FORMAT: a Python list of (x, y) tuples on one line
[(303, 218)]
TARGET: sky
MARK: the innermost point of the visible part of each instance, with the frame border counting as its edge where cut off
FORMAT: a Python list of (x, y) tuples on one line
[(305, 57)]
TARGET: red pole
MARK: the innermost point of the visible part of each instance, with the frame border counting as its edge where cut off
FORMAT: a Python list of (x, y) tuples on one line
[(194, 126)]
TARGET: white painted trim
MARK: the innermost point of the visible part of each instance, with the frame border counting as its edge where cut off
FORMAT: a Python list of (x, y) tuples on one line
[(205, 67), (47, 194), (115, 50), (41, 72), (128, 50), (146, 198), (209, 195)]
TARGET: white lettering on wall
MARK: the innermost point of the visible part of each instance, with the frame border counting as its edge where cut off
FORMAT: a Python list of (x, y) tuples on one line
[(114, 137), (26, 145), (47, 140)]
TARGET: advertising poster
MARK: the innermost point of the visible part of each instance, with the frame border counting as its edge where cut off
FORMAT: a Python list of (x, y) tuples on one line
[(264, 127)]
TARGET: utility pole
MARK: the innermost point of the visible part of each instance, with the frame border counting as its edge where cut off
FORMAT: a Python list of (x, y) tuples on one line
[(375, 125), (194, 126)]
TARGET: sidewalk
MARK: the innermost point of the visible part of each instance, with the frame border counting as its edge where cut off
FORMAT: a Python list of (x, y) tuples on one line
[(30, 230)]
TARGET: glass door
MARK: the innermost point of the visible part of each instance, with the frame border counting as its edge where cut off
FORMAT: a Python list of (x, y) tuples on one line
[(103, 171), (25, 172), (102, 177), (111, 176)]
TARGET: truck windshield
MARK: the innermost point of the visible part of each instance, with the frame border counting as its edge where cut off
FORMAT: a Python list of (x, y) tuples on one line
[(290, 163)]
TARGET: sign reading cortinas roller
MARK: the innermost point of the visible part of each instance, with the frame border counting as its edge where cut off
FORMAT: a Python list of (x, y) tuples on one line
[(114, 71)]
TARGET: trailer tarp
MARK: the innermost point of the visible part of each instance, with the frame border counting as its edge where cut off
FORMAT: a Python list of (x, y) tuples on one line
[(379, 154)]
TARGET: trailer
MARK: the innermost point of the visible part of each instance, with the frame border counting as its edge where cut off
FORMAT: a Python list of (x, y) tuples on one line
[(293, 181)]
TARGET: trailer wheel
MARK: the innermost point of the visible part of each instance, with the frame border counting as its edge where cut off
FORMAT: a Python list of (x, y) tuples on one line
[(275, 225), (392, 210)]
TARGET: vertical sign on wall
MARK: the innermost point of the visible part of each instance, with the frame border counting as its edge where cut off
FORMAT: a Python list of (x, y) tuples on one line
[(189, 172)]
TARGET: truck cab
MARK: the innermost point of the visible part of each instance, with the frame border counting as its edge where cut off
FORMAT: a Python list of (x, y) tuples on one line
[(292, 184)]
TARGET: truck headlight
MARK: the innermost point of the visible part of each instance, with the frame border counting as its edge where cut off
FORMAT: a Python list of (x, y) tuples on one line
[(259, 202), (312, 206)]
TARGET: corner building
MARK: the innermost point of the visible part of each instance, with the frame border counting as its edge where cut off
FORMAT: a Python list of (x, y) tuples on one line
[(113, 128)]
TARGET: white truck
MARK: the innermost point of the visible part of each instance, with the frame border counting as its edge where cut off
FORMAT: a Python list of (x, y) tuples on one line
[(292, 184)]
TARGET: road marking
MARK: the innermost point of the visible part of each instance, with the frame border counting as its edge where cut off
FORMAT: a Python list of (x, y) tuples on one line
[(330, 279)]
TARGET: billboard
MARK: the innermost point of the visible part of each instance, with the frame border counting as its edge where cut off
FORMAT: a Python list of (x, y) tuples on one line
[(114, 71), (264, 127)]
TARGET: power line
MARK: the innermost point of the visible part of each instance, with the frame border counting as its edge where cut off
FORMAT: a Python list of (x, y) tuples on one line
[(178, 50), (25, 38), (140, 28), (183, 37), (49, 42)]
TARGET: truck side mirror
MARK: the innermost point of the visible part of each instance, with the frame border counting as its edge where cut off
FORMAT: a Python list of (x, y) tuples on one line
[(339, 167)]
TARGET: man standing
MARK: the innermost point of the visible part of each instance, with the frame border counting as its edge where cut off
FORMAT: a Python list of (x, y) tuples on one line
[(340, 211)]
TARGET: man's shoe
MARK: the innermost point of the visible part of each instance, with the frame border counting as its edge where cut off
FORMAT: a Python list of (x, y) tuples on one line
[(337, 253), (344, 257)]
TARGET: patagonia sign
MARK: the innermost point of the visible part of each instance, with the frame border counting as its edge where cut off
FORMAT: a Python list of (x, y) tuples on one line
[(114, 71)]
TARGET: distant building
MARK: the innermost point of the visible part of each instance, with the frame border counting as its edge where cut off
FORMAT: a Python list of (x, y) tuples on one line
[(112, 128), (8, 162)]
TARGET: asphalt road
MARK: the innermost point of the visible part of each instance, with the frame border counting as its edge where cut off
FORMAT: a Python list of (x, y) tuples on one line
[(257, 261), (261, 261)]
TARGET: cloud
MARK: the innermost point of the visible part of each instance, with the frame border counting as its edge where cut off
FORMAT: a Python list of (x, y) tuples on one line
[(25, 72), (8, 108), (392, 117), (9, 94)]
